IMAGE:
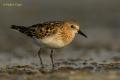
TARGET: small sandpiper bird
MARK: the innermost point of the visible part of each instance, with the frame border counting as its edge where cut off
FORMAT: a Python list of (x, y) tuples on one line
[(52, 35)]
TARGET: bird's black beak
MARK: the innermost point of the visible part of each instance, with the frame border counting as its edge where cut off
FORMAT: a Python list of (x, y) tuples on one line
[(80, 32)]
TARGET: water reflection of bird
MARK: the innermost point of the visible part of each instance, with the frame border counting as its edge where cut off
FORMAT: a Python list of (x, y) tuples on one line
[(52, 35)]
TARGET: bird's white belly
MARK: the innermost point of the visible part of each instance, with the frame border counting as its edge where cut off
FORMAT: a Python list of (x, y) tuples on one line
[(50, 42)]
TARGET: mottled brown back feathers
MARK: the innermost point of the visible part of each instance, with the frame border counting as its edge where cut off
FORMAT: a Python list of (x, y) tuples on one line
[(40, 30)]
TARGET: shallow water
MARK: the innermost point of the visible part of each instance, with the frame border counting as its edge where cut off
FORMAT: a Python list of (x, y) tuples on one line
[(99, 64)]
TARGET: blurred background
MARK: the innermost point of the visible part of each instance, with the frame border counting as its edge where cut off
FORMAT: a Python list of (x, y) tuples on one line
[(99, 20)]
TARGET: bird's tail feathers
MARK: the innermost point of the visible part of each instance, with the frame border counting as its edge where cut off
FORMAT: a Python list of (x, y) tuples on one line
[(21, 29), (18, 27)]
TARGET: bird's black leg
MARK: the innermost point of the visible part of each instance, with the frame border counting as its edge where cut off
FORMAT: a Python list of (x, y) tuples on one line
[(39, 54), (51, 56)]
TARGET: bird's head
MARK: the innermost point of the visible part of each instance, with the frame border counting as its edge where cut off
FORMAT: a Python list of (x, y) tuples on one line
[(75, 27)]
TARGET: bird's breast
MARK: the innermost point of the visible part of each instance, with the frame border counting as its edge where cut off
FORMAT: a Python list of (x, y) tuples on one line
[(60, 39), (55, 41), (50, 42), (67, 35)]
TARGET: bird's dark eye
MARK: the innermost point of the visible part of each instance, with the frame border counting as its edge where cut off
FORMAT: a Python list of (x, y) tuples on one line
[(72, 26)]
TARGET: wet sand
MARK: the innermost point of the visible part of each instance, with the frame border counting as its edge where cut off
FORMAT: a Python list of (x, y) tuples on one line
[(93, 72)]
